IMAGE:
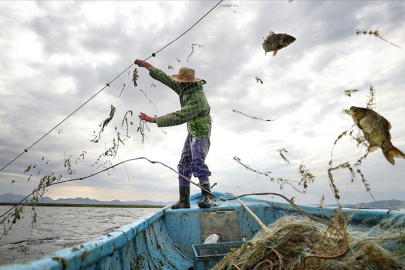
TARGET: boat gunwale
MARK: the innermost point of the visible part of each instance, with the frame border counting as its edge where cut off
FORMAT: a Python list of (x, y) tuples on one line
[(77, 257), (91, 252)]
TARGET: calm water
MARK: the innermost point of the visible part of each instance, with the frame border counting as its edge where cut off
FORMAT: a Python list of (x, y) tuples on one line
[(60, 227)]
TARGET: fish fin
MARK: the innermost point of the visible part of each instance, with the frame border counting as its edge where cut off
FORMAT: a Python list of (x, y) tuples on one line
[(389, 125), (373, 148), (393, 153), (275, 53), (271, 33)]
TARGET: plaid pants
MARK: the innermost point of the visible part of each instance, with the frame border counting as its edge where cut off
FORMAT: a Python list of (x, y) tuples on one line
[(192, 160)]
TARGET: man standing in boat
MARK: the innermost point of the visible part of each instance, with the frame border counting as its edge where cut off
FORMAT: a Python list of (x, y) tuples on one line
[(195, 111)]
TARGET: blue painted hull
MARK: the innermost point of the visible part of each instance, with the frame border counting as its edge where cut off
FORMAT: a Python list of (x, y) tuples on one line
[(165, 240)]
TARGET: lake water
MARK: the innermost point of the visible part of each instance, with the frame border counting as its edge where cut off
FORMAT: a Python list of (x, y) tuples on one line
[(60, 227)]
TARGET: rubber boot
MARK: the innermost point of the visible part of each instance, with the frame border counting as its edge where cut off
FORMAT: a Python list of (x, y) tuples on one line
[(184, 201), (206, 200)]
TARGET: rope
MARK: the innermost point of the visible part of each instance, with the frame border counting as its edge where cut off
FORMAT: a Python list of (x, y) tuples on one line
[(108, 84), (154, 54)]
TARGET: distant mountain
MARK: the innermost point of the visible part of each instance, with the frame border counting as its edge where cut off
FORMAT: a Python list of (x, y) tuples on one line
[(12, 198), (376, 204)]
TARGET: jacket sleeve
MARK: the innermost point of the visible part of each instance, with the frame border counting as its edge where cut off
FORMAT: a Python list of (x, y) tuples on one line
[(196, 106), (162, 77)]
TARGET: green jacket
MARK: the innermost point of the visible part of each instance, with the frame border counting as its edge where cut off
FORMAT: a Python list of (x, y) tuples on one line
[(195, 109)]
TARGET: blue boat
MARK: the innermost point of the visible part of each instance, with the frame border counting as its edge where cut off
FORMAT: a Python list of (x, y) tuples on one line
[(173, 239)]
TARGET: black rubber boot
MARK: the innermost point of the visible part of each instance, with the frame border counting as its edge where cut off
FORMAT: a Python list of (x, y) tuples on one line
[(206, 200), (184, 201)]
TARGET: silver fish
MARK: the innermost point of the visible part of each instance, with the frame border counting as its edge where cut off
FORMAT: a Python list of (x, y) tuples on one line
[(275, 42)]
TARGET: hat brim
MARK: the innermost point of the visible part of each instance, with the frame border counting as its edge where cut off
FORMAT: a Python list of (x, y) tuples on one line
[(177, 79)]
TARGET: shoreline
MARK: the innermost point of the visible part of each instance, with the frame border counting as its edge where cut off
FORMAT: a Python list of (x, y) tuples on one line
[(86, 205)]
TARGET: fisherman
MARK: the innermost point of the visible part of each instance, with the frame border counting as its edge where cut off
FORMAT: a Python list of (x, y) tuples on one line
[(195, 110)]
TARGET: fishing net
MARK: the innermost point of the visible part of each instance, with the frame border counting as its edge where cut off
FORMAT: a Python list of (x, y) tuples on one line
[(300, 243)]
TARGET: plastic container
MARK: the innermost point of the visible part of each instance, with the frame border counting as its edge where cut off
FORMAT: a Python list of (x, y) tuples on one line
[(206, 256)]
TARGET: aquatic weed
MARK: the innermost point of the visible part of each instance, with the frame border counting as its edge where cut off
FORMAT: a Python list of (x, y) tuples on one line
[(375, 33)]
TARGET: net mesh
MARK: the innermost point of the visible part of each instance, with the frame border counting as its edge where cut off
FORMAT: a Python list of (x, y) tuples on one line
[(295, 242)]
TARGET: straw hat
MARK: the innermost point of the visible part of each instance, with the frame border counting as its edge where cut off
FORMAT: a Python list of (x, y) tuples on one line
[(185, 75)]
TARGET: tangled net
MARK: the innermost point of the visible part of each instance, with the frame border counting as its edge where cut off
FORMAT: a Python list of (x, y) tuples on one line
[(289, 240)]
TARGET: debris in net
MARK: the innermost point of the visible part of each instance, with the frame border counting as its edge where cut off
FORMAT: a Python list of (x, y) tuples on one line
[(82, 155), (282, 156), (299, 243), (237, 159), (125, 120), (349, 92), (306, 176), (122, 89), (230, 8), (376, 131), (28, 169), (193, 49), (281, 181), (371, 98), (135, 77), (361, 140), (341, 135), (259, 80), (141, 129), (106, 121), (275, 42), (376, 34), (358, 138), (148, 98), (253, 117)]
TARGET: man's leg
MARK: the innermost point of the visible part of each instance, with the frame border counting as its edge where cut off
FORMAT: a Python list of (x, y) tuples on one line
[(199, 151), (184, 168)]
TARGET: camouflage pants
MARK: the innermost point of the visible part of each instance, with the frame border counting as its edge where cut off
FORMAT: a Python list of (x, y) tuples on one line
[(192, 160)]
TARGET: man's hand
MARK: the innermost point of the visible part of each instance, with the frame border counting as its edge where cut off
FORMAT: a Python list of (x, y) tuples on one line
[(146, 118), (144, 64)]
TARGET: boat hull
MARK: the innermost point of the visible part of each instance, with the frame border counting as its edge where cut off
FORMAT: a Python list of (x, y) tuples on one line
[(164, 240)]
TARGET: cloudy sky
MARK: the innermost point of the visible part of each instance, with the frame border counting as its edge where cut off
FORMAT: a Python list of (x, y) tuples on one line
[(55, 55)]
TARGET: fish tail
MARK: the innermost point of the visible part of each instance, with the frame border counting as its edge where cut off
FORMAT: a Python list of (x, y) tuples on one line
[(393, 153)]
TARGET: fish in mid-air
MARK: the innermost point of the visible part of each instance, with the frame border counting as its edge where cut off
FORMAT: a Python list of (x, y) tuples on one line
[(376, 131), (275, 42), (106, 121)]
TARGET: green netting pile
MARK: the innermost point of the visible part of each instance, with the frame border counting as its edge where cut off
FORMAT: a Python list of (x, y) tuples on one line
[(300, 243)]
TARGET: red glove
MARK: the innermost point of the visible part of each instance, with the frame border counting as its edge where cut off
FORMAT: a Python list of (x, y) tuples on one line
[(146, 118), (142, 63)]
